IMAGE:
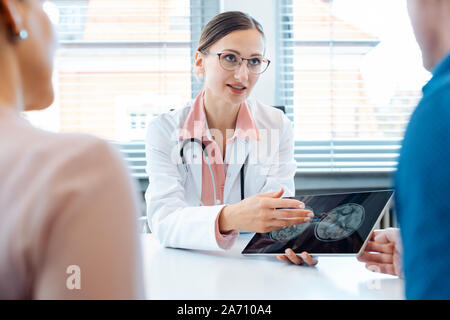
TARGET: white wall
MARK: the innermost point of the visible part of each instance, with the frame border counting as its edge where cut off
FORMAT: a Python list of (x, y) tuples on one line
[(263, 11)]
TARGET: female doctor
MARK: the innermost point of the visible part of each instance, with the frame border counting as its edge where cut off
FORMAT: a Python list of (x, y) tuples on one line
[(222, 163)]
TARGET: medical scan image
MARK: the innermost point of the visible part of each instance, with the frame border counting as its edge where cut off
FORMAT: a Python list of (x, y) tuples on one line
[(340, 222), (290, 232)]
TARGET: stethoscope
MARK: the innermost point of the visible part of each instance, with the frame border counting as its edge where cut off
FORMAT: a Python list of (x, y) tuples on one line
[(194, 140)]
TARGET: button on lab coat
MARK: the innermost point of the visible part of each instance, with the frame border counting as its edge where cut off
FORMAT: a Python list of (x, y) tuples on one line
[(174, 210)]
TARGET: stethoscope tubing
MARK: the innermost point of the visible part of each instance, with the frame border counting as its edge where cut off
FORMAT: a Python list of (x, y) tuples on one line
[(198, 141)]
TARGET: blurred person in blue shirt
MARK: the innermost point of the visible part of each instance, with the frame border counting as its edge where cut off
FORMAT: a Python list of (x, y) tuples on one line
[(422, 180)]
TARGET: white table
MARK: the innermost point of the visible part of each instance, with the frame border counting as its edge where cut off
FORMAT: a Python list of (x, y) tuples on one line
[(194, 274)]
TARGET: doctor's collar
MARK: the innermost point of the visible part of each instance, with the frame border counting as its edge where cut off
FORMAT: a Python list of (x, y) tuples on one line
[(196, 126)]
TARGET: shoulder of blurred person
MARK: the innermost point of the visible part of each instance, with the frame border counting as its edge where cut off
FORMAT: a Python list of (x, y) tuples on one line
[(423, 186), (423, 175), (67, 200), (64, 200)]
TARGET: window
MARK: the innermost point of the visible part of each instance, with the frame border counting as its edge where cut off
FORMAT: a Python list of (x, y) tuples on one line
[(120, 63), (350, 75)]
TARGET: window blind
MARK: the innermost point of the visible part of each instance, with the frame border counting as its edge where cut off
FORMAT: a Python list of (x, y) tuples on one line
[(120, 63), (344, 82)]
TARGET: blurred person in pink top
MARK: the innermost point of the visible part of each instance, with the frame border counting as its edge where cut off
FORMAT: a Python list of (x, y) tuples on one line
[(222, 163), (68, 207)]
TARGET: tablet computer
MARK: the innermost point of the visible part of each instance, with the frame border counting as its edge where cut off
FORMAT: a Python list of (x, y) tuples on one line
[(341, 225)]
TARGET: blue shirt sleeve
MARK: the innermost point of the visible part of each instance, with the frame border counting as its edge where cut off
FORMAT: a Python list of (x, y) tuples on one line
[(423, 198)]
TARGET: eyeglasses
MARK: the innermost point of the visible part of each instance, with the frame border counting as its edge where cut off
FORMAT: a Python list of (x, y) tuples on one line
[(232, 61)]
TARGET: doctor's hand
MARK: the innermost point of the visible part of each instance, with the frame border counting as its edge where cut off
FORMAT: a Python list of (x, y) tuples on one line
[(263, 213), (383, 252), (290, 256)]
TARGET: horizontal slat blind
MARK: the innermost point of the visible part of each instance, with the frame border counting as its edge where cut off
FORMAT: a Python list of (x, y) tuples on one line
[(134, 154), (120, 63), (348, 115)]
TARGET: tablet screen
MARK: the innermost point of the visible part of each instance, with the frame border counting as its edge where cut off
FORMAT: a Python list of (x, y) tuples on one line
[(341, 225)]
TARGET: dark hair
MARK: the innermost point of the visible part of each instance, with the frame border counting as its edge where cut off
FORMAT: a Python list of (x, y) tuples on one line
[(223, 24)]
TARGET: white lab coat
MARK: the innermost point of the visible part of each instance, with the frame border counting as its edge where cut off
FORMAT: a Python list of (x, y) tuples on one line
[(173, 197)]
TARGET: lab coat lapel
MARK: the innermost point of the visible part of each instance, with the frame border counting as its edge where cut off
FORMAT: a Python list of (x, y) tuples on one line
[(236, 158)]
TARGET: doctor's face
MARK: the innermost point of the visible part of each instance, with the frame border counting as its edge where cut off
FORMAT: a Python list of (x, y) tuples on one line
[(232, 86)]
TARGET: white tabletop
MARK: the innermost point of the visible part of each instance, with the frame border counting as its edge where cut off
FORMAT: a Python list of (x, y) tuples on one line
[(228, 275)]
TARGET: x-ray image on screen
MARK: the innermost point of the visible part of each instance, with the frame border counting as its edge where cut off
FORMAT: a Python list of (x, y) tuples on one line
[(335, 225), (341, 224), (290, 232)]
